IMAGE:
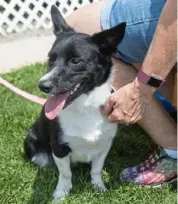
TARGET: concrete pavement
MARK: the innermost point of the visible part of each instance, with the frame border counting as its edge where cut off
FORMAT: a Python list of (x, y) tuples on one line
[(24, 51)]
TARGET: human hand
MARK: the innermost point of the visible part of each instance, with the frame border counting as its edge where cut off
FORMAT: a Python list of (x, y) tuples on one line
[(128, 104)]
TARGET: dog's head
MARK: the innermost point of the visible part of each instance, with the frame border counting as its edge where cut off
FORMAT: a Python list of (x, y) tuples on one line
[(77, 63)]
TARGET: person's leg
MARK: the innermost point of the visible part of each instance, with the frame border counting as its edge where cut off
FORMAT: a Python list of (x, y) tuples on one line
[(142, 18), (86, 19), (156, 121)]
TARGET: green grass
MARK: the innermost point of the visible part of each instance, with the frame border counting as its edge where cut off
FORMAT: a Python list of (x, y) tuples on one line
[(22, 182)]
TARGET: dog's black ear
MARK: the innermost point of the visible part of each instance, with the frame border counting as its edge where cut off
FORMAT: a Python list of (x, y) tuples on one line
[(59, 23), (108, 40)]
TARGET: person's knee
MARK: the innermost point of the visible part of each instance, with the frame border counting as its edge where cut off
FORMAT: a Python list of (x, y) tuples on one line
[(86, 19)]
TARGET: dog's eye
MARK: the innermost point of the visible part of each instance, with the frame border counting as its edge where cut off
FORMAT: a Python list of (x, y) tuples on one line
[(75, 61), (52, 58)]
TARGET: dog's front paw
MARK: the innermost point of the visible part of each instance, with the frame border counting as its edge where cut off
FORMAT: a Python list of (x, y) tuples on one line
[(60, 194), (101, 188), (62, 190), (97, 182)]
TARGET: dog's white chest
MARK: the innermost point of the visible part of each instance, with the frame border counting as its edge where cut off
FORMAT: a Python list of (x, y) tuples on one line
[(85, 130), (87, 134), (87, 125)]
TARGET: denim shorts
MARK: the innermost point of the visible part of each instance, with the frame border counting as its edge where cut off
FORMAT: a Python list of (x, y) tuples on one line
[(141, 17)]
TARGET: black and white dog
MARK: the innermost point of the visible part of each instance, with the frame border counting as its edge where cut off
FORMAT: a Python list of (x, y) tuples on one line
[(71, 127)]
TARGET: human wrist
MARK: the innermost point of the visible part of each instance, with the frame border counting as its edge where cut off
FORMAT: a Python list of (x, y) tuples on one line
[(143, 88), (150, 79)]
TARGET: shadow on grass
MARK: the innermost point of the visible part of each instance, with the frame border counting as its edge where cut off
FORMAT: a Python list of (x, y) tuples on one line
[(43, 185)]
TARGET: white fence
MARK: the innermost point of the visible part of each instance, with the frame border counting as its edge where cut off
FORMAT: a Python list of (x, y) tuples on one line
[(21, 15)]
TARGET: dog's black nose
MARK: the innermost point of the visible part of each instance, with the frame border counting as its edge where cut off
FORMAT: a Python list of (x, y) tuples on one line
[(45, 86)]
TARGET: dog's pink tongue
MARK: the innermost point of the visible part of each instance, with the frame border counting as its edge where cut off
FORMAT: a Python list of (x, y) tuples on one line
[(54, 105)]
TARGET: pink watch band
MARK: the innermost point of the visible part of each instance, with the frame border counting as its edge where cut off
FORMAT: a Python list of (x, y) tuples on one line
[(150, 80)]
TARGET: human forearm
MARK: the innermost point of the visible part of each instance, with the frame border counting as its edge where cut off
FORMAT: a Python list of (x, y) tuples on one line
[(129, 103), (161, 55)]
